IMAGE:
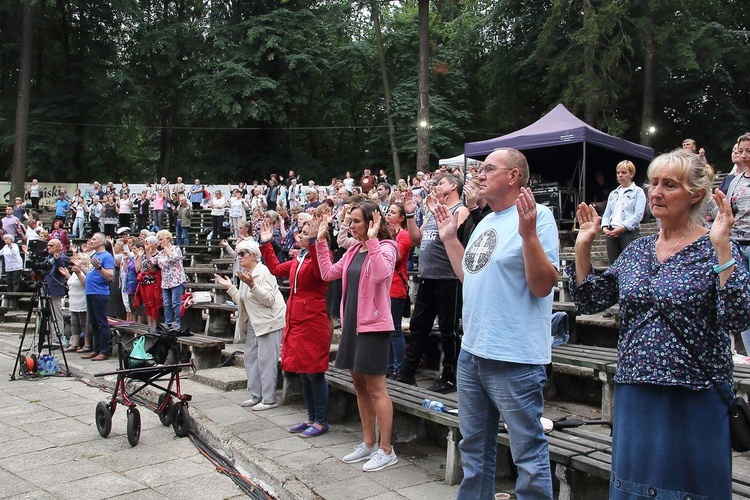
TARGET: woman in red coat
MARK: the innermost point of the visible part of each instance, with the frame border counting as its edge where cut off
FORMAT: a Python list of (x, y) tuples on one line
[(306, 341)]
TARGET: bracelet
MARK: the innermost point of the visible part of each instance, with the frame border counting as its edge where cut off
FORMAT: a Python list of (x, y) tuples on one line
[(410, 216), (719, 269)]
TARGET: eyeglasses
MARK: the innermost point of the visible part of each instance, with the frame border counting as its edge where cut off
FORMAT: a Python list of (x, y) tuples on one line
[(490, 168), (242, 253)]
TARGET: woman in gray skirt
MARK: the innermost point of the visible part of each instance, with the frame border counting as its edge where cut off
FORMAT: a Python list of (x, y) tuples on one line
[(366, 270)]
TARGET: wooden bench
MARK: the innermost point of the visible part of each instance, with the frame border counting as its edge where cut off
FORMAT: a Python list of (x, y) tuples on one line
[(205, 350), (200, 274), (408, 399), (582, 459), (583, 463), (603, 361), (218, 319), (11, 300)]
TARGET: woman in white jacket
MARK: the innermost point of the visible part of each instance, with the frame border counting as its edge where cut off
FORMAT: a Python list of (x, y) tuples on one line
[(262, 312)]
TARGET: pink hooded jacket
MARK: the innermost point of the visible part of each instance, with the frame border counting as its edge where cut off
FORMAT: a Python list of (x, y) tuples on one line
[(374, 306)]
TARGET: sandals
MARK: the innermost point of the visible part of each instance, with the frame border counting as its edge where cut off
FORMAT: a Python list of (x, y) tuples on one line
[(83, 350), (72, 349)]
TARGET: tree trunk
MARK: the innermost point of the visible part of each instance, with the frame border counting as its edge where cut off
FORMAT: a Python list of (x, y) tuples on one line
[(649, 90), (22, 103), (386, 88), (166, 146), (423, 106), (589, 106)]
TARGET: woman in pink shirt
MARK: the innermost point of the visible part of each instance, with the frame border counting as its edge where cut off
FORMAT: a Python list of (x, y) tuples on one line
[(366, 271), (159, 204)]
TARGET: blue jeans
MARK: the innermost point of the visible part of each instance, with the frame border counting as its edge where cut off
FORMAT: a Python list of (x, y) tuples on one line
[(315, 390), (172, 298), (96, 305), (487, 391), (181, 234), (78, 223), (398, 344), (746, 334)]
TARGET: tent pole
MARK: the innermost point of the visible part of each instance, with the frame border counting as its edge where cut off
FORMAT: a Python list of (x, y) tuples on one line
[(582, 180)]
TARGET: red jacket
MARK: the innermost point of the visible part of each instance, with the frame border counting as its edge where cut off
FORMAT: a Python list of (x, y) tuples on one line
[(306, 342)]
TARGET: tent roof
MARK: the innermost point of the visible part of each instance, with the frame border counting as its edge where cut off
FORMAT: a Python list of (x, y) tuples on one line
[(458, 161), (557, 128)]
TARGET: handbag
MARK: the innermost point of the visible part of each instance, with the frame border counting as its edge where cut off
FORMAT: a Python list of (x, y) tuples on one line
[(407, 304), (739, 412), (138, 357)]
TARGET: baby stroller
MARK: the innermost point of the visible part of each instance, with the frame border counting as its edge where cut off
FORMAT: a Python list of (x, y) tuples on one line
[(134, 375)]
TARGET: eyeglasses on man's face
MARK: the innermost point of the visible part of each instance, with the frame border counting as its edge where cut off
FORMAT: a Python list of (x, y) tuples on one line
[(242, 253), (488, 169)]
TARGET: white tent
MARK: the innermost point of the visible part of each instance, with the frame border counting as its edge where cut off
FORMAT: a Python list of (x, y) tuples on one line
[(458, 161)]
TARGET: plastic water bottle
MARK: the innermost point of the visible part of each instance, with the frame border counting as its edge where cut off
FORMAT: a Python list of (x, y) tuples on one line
[(434, 405), (55, 365)]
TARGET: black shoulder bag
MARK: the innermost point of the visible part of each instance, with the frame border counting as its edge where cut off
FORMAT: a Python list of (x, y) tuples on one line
[(739, 412), (407, 303)]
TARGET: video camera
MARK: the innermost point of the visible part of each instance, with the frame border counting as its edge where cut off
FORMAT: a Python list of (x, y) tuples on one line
[(38, 259)]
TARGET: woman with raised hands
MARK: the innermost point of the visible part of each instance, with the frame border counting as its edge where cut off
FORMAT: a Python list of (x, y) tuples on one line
[(366, 270), (306, 342), (681, 292)]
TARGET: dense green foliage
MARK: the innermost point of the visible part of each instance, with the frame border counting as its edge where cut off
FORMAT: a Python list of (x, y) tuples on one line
[(230, 90)]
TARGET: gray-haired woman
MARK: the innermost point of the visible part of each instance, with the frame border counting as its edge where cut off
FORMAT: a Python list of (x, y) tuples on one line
[(262, 313)]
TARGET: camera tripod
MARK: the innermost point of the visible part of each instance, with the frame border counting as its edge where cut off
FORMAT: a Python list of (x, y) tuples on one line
[(47, 325)]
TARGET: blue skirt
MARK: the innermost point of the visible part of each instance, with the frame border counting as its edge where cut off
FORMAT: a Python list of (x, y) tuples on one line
[(670, 443)]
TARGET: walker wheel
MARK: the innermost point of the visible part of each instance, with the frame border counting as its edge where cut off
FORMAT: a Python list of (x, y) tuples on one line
[(180, 419), (165, 416), (134, 426), (103, 419)]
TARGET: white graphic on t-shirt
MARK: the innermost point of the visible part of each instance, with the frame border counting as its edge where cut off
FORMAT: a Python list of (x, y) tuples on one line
[(478, 254)]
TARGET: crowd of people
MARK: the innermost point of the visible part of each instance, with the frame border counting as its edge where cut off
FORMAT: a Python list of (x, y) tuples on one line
[(347, 249)]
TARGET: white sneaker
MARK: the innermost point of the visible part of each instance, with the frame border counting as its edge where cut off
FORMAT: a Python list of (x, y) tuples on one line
[(251, 402), (361, 452), (264, 406), (380, 460)]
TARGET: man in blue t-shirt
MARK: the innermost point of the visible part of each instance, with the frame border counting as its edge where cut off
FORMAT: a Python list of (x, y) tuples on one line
[(62, 206), (508, 270), (97, 298)]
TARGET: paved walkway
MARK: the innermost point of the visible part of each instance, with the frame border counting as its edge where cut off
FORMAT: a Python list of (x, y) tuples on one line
[(52, 448)]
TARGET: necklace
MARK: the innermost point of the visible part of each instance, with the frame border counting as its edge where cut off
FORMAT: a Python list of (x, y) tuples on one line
[(690, 228)]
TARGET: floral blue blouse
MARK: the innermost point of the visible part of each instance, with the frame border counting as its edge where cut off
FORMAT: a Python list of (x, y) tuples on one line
[(685, 288)]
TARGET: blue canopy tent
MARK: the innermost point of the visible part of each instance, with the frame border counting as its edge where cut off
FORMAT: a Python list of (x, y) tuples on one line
[(560, 147)]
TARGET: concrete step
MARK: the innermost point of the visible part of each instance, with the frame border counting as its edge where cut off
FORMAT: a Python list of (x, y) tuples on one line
[(226, 378), (15, 326)]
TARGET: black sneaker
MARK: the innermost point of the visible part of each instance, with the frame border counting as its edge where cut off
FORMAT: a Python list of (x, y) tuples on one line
[(406, 379), (442, 387)]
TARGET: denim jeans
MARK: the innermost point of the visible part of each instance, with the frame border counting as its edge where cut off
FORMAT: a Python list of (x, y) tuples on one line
[(172, 298), (78, 223), (97, 309), (181, 234), (398, 344), (746, 334), (489, 390), (315, 390)]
